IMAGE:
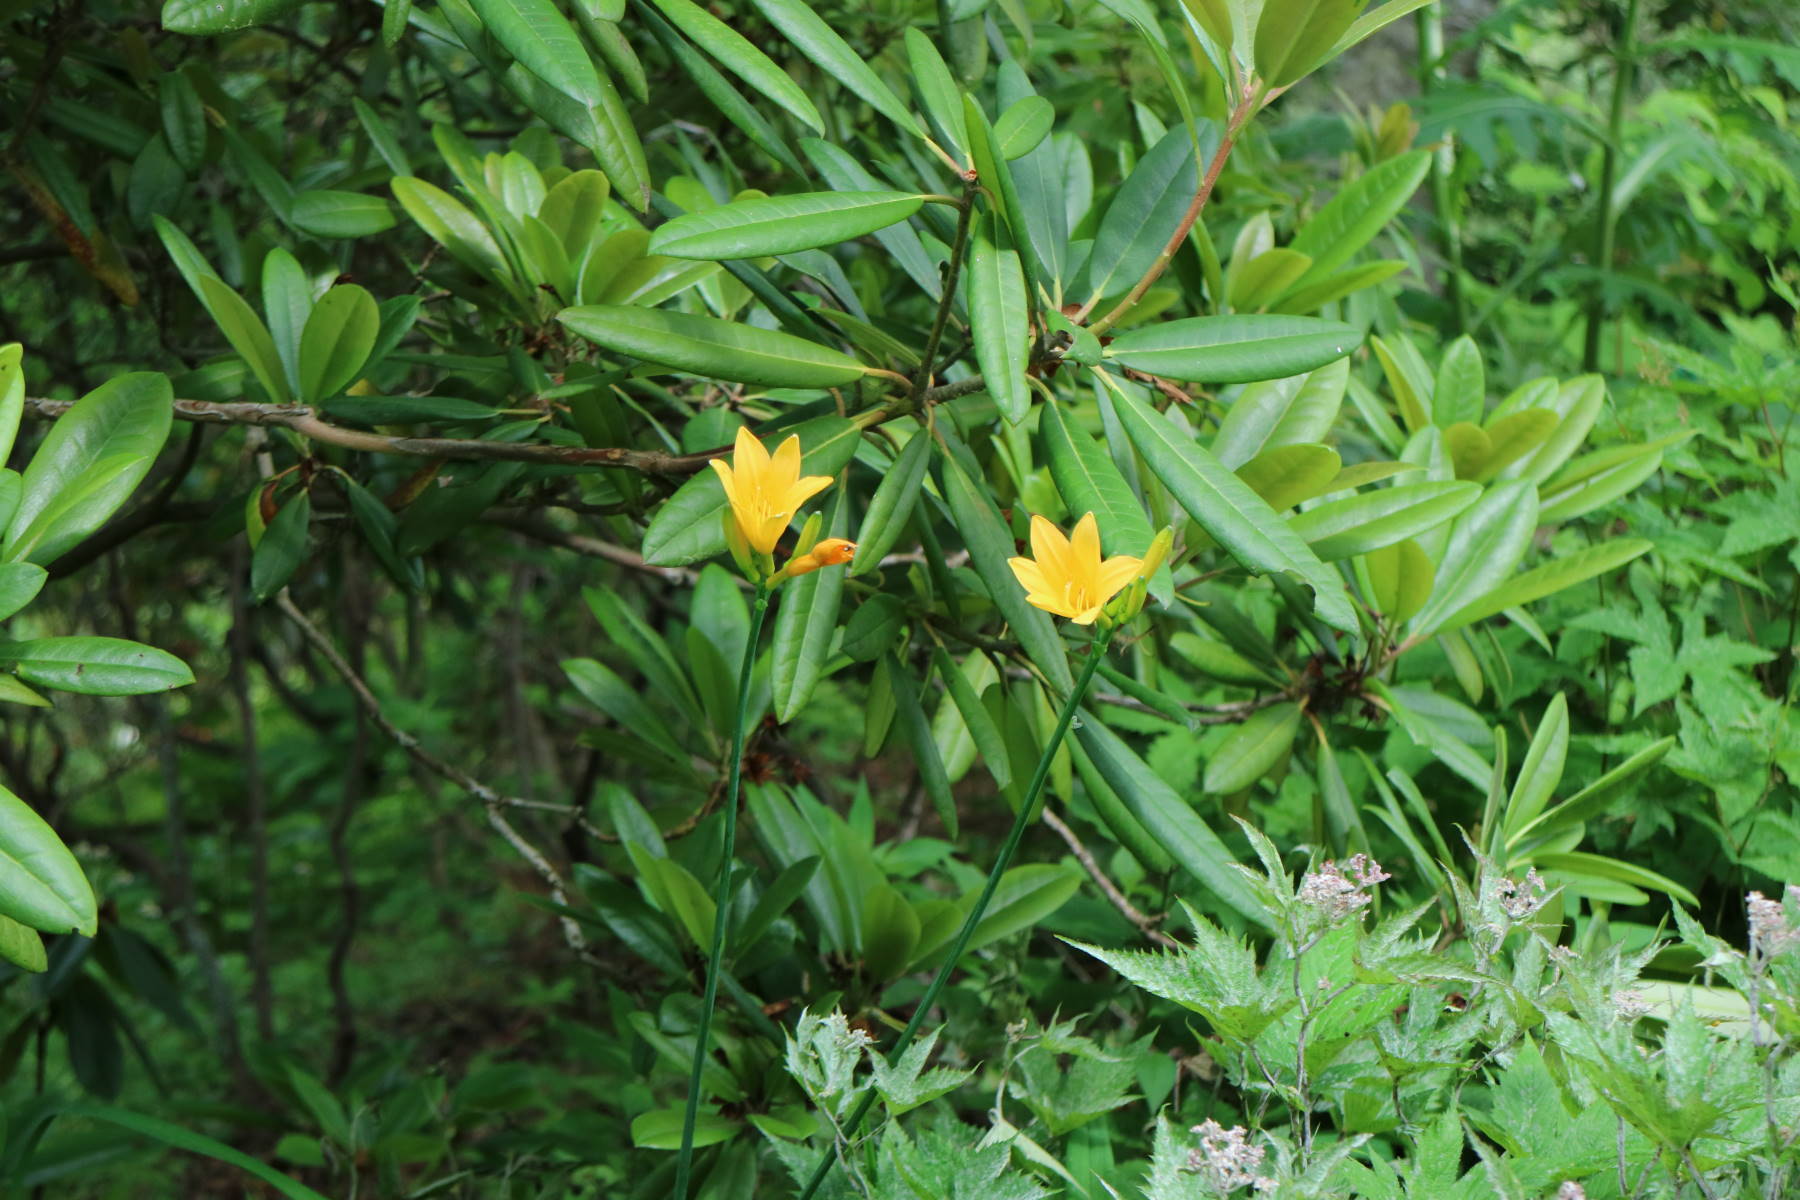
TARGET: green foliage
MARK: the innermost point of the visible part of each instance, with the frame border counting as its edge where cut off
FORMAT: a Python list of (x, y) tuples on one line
[(1466, 417)]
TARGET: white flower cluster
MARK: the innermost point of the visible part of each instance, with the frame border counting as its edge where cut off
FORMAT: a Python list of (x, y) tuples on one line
[(1519, 898), (1337, 891), (1769, 928), (1226, 1161), (1628, 1006), (1570, 1190)]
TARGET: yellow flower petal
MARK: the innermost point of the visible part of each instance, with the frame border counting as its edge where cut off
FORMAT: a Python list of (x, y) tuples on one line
[(1115, 574)]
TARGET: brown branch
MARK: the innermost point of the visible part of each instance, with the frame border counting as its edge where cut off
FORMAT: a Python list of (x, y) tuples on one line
[(1146, 924), (304, 421)]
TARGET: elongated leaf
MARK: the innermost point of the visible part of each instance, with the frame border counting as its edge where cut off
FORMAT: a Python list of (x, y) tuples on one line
[(1282, 412), (804, 624), (1234, 348), (1143, 216), (741, 57), (892, 504), (1170, 820), (767, 225), (974, 714), (1578, 862), (997, 316), (199, 18), (1461, 390), (537, 34), (1400, 579), (339, 335), (41, 885), (451, 225), (843, 172), (88, 465), (1089, 481), (689, 526), (1485, 544), (12, 400), (917, 730), (1369, 520), (815, 39), (1593, 799), (1552, 577), (329, 214), (1253, 749), (937, 90), (1236, 517), (1294, 37), (1357, 213), (711, 347), (1542, 769), (96, 666), (1287, 475), (287, 302)]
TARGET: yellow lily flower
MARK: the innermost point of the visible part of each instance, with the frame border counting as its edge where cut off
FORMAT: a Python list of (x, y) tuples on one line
[(766, 490), (1067, 576)]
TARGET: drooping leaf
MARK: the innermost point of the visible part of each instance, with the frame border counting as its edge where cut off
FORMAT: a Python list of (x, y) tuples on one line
[(1234, 348)]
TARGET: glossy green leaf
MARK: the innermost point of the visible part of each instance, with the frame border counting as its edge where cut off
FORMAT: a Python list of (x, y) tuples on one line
[(1025, 896), (937, 90), (1369, 520), (1236, 517), (1295, 37), (1170, 819), (1253, 749), (247, 335), (95, 666), (741, 57), (88, 465), (21, 946), (910, 715), (711, 347), (329, 214), (998, 325), (451, 225), (1461, 390), (890, 931), (1145, 213), (1287, 475), (1593, 800), (1401, 578), (1582, 863), (829, 52), (1552, 577), (537, 34), (765, 225), (337, 340), (1485, 545), (1235, 348), (183, 120), (205, 17), (41, 884), (1360, 210), (282, 547), (1542, 769), (1023, 126), (12, 399), (892, 504), (973, 714), (806, 618), (287, 303)]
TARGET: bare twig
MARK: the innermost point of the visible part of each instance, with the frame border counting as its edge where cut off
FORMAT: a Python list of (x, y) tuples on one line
[(1146, 924), (492, 801)]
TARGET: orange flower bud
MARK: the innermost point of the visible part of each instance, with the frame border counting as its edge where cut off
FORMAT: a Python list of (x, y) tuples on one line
[(833, 552)]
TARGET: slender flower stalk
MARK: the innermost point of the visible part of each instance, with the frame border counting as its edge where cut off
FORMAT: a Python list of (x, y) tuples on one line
[(763, 492), (1069, 578)]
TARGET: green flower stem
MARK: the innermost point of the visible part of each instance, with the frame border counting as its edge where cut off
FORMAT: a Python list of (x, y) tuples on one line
[(1027, 809), (684, 1163), (1606, 223)]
